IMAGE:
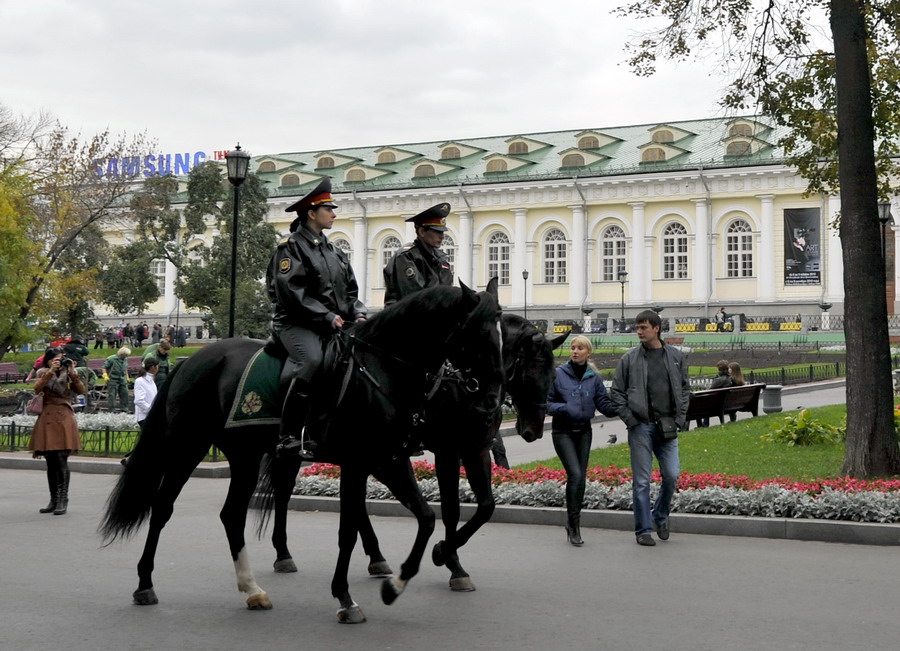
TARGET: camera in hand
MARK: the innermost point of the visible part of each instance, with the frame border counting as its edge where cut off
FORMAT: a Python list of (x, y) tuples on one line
[(66, 362)]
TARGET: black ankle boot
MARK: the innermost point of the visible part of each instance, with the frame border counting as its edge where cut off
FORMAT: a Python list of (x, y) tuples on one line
[(62, 501), (573, 530), (52, 481)]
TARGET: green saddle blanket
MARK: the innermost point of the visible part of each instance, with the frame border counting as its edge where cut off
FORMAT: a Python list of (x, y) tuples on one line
[(257, 401)]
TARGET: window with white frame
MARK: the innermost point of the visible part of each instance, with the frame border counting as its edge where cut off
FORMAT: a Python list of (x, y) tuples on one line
[(448, 246), (344, 245), (612, 252), (389, 247), (158, 269), (675, 252), (498, 257), (554, 256), (739, 250)]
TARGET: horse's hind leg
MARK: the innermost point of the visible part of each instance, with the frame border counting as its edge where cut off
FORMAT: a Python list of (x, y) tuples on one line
[(378, 566), (401, 481), (284, 478), (234, 517)]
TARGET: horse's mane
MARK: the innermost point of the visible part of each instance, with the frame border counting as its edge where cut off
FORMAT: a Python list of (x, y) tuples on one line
[(393, 321)]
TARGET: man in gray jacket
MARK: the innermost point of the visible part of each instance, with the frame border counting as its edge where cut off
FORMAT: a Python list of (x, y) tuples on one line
[(650, 391)]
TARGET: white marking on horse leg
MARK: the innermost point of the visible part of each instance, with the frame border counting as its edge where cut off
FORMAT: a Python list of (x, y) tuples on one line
[(399, 584), (245, 581)]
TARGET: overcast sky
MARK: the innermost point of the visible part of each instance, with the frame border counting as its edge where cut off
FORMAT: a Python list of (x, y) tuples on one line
[(282, 75)]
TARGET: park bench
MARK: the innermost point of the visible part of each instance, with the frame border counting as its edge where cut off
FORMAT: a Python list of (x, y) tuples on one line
[(9, 373), (730, 400)]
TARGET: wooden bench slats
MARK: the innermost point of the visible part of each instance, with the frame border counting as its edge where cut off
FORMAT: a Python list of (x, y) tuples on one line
[(718, 402)]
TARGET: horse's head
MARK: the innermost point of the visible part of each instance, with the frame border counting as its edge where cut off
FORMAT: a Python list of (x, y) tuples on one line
[(528, 358)]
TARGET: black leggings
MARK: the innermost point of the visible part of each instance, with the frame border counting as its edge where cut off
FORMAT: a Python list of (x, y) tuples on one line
[(573, 449)]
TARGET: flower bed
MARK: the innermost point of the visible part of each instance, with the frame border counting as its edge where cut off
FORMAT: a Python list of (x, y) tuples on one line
[(610, 488)]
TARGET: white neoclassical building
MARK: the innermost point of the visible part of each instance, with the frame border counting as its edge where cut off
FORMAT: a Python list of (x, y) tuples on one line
[(689, 216)]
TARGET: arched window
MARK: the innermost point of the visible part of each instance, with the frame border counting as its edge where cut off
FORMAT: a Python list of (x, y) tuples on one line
[(387, 157), (158, 270), (448, 246), (498, 257), (554, 256), (389, 246), (344, 245), (739, 250), (737, 148), (450, 152), (740, 130), (518, 148), (663, 135), (612, 253), (588, 142), (354, 176), (290, 181), (653, 155), (325, 163), (266, 166), (496, 165), (573, 160), (675, 252), (423, 171)]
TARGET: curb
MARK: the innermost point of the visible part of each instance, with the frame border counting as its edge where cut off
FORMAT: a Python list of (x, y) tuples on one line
[(831, 531), (103, 466)]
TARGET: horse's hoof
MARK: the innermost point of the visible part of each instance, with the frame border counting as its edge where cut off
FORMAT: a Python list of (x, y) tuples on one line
[(391, 589), (437, 554), (145, 597), (380, 570), (259, 601), (351, 615), (462, 584), (285, 565)]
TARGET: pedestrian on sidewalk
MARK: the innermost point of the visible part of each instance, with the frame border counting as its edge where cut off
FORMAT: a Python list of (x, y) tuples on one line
[(145, 389), (576, 394), (55, 435), (115, 368), (650, 390)]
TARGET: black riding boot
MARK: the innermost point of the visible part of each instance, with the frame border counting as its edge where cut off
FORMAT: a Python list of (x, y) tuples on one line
[(292, 436), (573, 530), (62, 503), (52, 480)]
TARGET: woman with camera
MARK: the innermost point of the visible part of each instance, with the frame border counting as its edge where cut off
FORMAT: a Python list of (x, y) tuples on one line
[(55, 434)]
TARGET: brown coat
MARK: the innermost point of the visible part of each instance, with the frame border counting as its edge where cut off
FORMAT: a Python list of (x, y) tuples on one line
[(56, 427)]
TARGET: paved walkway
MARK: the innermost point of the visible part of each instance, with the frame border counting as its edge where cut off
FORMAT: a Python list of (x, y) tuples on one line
[(61, 590)]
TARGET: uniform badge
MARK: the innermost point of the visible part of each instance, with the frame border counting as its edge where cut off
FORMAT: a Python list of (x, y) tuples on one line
[(285, 265), (410, 272)]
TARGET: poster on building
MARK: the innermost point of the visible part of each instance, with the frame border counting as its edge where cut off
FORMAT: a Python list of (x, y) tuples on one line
[(802, 246)]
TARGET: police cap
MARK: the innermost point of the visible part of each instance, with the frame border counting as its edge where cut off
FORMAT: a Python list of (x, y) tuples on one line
[(434, 218), (318, 196)]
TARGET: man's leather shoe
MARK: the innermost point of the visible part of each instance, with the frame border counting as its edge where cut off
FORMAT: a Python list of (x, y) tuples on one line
[(662, 530), (646, 540)]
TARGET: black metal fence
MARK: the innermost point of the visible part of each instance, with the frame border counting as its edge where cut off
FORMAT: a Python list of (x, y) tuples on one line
[(105, 442)]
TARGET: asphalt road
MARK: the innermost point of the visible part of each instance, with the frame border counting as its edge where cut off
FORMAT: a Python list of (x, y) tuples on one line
[(62, 590)]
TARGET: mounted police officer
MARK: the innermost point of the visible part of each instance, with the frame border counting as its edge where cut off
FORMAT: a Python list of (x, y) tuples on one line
[(420, 264), (314, 290)]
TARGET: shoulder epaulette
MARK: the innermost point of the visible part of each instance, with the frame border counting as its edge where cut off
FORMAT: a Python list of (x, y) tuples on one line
[(407, 247), (284, 240)]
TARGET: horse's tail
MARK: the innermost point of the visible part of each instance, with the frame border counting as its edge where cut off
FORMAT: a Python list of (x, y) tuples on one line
[(129, 503), (264, 499)]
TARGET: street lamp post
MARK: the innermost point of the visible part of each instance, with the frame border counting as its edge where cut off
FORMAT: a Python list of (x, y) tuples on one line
[(622, 276), (237, 162), (884, 216), (525, 291)]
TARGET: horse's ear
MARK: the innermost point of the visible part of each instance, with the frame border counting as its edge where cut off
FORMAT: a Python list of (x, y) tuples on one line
[(492, 287), (556, 342), (467, 293)]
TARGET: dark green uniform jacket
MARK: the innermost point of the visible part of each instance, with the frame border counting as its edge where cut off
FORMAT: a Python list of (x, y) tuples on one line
[(414, 267)]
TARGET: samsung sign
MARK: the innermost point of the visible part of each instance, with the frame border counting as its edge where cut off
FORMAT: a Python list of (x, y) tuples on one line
[(153, 164)]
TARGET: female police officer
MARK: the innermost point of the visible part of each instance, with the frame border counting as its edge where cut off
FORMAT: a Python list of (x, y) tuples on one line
[(312, 285)]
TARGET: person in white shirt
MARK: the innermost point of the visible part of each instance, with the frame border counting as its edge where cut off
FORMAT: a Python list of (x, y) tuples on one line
[(145, 389)]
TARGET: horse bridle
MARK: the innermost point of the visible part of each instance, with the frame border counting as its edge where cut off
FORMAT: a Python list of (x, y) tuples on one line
[(511, 375)]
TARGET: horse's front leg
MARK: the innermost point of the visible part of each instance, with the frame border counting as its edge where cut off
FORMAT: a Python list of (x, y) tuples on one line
[(353, 510), (378, 566), (284, 478), (446, 462), (401, 481)]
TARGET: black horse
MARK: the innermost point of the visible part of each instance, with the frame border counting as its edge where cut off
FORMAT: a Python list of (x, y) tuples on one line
[(454, 438), (382, 399)]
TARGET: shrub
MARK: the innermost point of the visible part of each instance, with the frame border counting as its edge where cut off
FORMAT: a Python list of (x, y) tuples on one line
[(803, 429)]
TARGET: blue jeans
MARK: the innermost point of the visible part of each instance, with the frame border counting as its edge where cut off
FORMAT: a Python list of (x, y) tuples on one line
[(645, 440)]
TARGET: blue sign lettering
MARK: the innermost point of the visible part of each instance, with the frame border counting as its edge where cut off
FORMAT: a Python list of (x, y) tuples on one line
[(150, 165)]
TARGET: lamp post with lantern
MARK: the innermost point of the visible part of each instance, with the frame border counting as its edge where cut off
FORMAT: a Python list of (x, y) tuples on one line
[(525, 291), (237, 162), (622, 276)]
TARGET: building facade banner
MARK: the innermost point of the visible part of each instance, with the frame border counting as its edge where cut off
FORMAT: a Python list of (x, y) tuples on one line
[(802, 246)]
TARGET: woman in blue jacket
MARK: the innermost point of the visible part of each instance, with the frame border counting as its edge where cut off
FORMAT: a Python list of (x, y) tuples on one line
[(576, 394)]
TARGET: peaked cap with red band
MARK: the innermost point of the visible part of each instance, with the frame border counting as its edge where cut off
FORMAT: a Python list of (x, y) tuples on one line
[(318, 196), (434, 218)]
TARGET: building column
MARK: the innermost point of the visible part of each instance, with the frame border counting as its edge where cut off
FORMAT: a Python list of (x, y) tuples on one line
[(464, 248), (765, 269), (700, 276), (170, 302), (519, 259), (576, 268), (834, 260), (360, 246), (410, 231), (639, 271), (369, 264)]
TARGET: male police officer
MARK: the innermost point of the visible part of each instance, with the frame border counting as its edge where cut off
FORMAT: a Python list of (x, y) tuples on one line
[(312, 285), (420, 264)]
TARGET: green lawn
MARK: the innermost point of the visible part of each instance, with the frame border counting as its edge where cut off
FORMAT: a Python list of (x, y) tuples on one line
[(736, 449), (26, 360)]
